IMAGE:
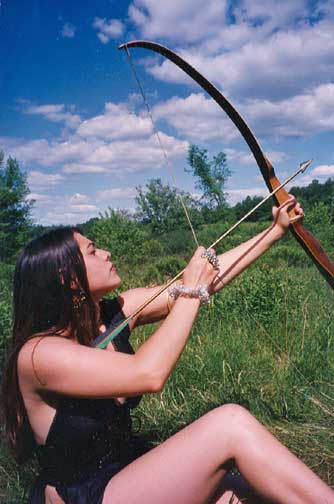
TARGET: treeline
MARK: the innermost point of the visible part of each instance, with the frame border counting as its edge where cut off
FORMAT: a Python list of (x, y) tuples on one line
[(159, 223)]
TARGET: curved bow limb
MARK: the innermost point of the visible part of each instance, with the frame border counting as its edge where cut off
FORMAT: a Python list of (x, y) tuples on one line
[(309, 243)]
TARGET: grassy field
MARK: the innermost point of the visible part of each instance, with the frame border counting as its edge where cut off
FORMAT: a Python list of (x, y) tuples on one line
[(266, 342)]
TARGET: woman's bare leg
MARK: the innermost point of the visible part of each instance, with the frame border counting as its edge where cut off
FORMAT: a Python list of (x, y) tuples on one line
[(187, 468)]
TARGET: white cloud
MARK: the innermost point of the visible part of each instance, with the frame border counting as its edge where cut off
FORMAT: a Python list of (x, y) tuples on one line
[(117, 193), (312, 112), (303, 181), (41, 199), (39, 179), (190, 19), (107, 30), (47, 153), (54, 113), (68, 30), (276, 156), (236, 195), (92, 156), (255, 61), (284, 13), (83, 208), (77, 199), (59, 217), (192, 22), (86, 151), (247, 158), (117, 122), (64, 209), (134, 156), (198, 118), (323, 171), (84, 168)]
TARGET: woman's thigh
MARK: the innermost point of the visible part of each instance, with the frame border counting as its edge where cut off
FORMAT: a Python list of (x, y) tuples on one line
[(185, 469)]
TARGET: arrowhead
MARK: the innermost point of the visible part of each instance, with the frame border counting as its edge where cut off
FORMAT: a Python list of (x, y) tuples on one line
[(305, 165)]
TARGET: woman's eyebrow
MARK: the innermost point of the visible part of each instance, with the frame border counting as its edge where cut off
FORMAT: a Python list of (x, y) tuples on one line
[(91, 244)]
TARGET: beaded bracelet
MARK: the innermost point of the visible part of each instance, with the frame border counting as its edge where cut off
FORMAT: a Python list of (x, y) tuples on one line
[(200, 292)]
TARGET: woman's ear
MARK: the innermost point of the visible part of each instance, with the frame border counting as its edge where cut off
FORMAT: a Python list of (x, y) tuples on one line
[(61, 276), (73, 283)]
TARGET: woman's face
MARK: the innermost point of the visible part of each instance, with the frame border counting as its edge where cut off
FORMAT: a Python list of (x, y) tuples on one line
[(101, 272)]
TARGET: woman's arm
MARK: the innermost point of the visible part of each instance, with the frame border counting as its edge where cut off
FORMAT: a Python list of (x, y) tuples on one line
[(232, 263), (236, 260), (64, 366)]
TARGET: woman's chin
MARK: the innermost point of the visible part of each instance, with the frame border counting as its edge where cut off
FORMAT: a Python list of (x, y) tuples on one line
[(119, 283), (116, 282)]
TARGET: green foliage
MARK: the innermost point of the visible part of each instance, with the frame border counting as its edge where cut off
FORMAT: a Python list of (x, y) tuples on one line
[(117, 232), (211, 176), (319, 220), (159, 206), (14, 208), (152, 248), (163, 270), (316, 193), (6, 275), (179, 241), (243, 207), (86, 227)]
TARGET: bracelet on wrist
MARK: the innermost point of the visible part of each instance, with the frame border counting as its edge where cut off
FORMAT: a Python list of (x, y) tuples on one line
[(200, 292)]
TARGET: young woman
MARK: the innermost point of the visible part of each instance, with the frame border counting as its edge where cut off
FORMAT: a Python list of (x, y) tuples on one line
[(71, 402)]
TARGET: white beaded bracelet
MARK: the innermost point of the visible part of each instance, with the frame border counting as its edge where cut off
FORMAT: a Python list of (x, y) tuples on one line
[(200, 292)]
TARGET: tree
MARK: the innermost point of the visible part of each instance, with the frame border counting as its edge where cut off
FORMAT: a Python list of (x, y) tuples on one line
[(211, 175), (14, 208), (244, 206), (117, 232), (160, 207)]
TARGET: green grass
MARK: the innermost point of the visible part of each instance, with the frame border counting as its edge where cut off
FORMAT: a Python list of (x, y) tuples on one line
[(265, 343)]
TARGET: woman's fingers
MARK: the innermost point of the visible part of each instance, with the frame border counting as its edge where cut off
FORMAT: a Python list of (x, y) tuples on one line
[(281, 216), (292, 203), (202, 267)]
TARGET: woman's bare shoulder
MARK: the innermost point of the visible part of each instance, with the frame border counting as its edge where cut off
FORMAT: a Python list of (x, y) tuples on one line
[(45, 345)]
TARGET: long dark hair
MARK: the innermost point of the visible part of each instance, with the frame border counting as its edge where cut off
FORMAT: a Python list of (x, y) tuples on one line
[(51, 294)]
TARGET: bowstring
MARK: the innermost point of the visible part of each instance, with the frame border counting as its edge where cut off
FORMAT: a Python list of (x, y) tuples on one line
[(156, 132)]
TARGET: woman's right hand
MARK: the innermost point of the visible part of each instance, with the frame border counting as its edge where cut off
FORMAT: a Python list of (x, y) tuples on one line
[(199, 270)]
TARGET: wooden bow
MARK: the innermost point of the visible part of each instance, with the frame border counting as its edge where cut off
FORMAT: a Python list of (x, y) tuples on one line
[(309, 243)]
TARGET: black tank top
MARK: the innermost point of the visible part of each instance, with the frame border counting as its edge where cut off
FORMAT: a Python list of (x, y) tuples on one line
[(87, 435)]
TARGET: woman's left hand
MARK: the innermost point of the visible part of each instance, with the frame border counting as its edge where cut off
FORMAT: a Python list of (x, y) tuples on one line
[(281, 216)]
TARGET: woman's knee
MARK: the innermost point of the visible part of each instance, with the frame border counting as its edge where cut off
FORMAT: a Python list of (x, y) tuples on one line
[(232, 420), (233, 414)]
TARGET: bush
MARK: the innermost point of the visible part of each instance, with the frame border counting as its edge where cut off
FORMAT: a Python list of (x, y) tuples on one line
[(120, 235), (6, 274)]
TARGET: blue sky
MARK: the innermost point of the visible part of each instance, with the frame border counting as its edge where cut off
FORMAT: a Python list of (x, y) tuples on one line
[(71, 112)]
